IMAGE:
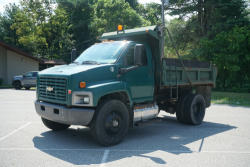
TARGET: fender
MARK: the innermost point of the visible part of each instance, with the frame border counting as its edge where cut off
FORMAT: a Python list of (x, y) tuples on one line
[(19, 79), (101, 89)]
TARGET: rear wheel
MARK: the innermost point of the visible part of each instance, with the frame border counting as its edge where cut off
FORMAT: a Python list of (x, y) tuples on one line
[(195, 107), (180, 109), (54, 125), (111, 123)]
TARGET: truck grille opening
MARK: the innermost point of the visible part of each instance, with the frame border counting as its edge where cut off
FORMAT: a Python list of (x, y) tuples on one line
[(52, 89)]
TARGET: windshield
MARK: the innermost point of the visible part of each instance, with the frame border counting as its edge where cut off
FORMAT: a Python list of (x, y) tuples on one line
[(101, 53)]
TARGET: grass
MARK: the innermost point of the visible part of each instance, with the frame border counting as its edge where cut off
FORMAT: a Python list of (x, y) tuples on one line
[(240, 99), (5, 86)]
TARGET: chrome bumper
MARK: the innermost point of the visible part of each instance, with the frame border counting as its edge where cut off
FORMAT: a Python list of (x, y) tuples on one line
[(62, 114)]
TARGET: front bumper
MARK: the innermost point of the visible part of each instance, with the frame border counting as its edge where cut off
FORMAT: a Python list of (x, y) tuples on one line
[(62, 114)]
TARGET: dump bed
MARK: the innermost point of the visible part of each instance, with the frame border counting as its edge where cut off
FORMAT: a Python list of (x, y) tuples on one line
[(193, 73)]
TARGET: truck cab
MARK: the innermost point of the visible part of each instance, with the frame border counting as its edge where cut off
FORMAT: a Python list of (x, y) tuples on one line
[(117, 83)]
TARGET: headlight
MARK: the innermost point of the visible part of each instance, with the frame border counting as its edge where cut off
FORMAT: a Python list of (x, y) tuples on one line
[(82, 99)]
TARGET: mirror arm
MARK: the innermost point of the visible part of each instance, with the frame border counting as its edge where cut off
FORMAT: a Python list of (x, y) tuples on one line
[(125, 70)]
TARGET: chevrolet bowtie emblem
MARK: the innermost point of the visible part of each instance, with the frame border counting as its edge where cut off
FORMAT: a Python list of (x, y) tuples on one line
[(49, 89)]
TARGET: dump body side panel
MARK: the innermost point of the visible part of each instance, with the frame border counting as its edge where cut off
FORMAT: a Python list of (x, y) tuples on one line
[(199, 73)]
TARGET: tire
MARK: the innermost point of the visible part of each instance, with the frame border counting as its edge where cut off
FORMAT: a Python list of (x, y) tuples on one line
[(195, 107), (55, 126), (111, 123), (17, 85), (180, 109), (27, 88)]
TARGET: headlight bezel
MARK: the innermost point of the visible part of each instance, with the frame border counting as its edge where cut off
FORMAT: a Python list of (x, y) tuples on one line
[(79, 95)]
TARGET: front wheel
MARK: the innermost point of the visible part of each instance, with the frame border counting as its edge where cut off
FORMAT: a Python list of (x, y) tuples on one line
[(17, 85), (55, 126), (111, 123), (27, 87)]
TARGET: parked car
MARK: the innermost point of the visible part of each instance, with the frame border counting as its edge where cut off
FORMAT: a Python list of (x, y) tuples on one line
[(26, 80)]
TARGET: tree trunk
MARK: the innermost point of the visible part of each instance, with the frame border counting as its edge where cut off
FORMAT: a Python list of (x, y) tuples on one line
[(200, 17)]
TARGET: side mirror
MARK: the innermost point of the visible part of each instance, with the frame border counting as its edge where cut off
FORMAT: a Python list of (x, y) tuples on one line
[(138, 55)]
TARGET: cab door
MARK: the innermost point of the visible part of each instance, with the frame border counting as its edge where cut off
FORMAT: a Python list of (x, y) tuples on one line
[(140, 80), (33, 79), (27, 77)]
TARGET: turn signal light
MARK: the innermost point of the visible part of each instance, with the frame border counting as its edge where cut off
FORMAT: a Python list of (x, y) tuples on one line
[(82, 84)]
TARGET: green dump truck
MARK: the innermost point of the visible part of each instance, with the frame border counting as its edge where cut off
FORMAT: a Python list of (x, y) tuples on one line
[(120, 82)]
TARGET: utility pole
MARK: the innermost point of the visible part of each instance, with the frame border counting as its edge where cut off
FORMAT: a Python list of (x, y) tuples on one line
[(164, 3)]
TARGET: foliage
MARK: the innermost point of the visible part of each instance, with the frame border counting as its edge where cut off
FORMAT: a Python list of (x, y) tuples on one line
[(79, 18), (109, 13), (230, 52), (29, 26), (150, 12), (6, 20), (132, 3), (242, 99), (58, 35)]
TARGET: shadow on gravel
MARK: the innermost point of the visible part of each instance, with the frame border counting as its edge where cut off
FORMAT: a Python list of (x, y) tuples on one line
[(163, 134)]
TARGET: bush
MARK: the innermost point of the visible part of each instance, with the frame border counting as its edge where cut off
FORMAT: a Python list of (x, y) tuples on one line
[(1, 81), (230, 52)]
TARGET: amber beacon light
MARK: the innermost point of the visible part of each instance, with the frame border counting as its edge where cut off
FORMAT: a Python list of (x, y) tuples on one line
[(119, 28), (82, 84)]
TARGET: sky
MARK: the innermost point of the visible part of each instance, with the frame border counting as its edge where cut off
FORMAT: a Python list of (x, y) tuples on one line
[(6, 2), (148, 1)]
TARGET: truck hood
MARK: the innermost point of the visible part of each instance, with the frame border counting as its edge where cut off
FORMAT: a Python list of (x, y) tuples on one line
[(70, 69), (17, 77)]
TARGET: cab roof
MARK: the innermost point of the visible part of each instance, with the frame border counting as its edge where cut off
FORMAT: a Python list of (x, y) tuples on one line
[(132, 33)]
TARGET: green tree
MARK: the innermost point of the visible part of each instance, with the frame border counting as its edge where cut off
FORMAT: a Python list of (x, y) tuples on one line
[(42, 30), (58, 36), (231, 53), (211, 16), (109, 13), (132, 3), (6, 20), (150, 12), (79, 16), (29, 24)]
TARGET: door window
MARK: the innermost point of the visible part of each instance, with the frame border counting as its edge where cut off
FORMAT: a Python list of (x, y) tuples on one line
[(144, 57), (28, 74), (34, 74), (129, 59)]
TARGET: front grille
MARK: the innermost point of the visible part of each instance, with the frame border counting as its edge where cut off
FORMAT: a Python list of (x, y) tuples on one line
[(53, 89)]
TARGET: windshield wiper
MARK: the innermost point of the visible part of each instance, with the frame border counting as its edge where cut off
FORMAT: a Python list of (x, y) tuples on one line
[(90, 62)]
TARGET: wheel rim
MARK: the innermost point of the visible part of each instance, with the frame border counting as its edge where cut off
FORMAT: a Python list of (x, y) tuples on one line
[(17, 85), (198, 110), (113, 123)]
